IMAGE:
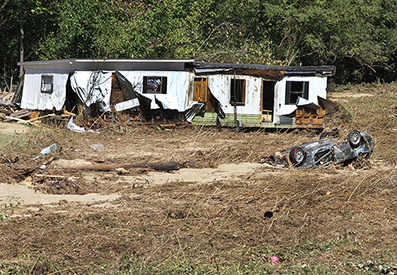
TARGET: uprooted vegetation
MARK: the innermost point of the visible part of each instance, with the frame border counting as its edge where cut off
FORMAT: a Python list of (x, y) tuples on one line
[(208, 216)]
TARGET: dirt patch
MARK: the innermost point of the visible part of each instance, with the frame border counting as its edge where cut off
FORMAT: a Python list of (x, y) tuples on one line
[(196, 175), (13, 128), (26, 195), (65, 163)]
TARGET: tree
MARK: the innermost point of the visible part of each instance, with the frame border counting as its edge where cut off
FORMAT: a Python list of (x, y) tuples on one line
[(359, 37)]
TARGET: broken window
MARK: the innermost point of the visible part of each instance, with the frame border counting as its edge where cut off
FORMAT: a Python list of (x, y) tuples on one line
[(237, 91), (154, 85), (295, 89), (46, 84)]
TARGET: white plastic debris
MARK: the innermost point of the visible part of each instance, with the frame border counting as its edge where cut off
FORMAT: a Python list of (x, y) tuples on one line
[(97, 147), (73, 127), (49, 149)]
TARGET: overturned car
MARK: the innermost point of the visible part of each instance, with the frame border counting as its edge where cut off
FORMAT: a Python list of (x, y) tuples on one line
[(326, 151)]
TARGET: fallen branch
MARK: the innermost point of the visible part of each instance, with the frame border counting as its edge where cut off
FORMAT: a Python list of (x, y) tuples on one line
[(163, 166), (50, 176)]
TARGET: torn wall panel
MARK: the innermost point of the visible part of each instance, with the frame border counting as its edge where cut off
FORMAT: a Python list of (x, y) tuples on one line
[(152, 84), (93, 87)]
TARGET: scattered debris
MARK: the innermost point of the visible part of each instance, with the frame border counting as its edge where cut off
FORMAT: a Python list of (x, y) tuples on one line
[(73, 127), (20, 115), (47, 150), (6, 98), (36, 119)]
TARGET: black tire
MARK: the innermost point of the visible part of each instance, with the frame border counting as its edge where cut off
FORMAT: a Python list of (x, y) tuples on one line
[(297, 156), (354, 138)]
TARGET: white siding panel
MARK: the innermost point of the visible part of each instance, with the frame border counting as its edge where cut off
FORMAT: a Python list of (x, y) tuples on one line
[(317, 87), (34, 99), (220, 88)]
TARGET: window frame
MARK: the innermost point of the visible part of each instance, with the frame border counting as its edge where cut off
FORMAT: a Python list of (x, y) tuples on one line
[(292, 92), (162, 86), (47, 87), (240, 93)]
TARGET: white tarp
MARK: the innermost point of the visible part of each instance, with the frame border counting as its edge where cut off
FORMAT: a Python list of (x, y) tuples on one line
[(92, 87), (34, 99), (177, 88)]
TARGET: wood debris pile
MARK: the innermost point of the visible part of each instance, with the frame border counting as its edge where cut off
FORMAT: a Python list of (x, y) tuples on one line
[(26, 116)]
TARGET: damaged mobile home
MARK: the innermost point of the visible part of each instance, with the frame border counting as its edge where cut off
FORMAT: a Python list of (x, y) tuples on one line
[(175, 91)]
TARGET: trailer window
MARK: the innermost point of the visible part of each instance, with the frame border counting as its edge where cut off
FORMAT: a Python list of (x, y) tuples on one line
[(294, 89), (154, 85), (47, 84), (237, 91)]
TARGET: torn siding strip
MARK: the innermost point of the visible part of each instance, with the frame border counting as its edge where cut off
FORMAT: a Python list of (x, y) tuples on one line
[(195, 109), (212, 71), (302, 102), (125, 105)]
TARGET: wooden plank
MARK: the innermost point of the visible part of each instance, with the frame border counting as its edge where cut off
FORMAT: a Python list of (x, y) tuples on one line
[(310, 118), (37, 118), (69, 113), (7, 112), (21, 113), (200, 90)]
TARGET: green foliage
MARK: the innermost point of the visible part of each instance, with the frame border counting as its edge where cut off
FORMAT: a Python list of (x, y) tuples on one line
[(84, 29), (359, 37)]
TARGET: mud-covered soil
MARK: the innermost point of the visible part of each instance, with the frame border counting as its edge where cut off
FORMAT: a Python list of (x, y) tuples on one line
[(206, 217)]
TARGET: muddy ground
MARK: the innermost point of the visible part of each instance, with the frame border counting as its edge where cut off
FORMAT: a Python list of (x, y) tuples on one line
[(208, 216)]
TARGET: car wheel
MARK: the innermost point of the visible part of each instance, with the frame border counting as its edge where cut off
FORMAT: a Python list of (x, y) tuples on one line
[(354, 138), (297, 156)]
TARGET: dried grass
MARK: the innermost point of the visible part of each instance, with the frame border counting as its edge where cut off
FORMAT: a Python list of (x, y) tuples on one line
[(330, 219)]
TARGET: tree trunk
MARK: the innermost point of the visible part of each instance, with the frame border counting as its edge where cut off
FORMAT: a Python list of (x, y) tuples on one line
[(21, 56)]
